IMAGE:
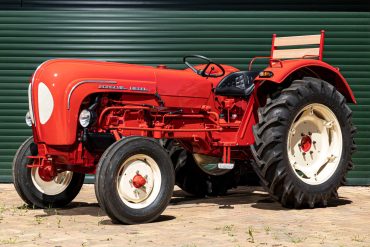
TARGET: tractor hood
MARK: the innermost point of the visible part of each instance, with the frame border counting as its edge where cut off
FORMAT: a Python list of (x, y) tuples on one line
[(59, 86)]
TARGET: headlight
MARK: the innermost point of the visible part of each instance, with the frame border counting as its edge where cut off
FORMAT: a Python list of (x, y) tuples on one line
[(85, 118), (28, 119)]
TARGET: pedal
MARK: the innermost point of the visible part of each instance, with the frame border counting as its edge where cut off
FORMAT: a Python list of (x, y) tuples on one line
[(225, 166)]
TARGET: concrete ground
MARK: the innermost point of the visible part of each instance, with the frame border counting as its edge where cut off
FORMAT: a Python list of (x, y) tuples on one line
[(245, 217)]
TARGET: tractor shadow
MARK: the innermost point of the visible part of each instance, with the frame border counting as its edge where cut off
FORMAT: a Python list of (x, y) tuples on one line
[(75, 209), (270, 204), (90, 209), (253, 196), (240, 195)]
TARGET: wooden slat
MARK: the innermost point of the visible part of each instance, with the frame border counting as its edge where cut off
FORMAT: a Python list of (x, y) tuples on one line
[(295, 53), (298, 40)]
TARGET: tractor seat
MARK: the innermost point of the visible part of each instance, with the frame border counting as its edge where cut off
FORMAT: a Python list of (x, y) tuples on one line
[(237, 84)]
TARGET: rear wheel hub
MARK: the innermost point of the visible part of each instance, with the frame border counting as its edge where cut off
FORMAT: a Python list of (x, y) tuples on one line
[(306, 143), (138, 181), (314, 144)]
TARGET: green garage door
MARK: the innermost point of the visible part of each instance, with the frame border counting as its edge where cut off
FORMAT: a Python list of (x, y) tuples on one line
[(28, 37)]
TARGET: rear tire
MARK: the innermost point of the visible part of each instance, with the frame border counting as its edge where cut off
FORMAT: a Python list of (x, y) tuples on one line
[(134, 180), (193, 180), (38, 193), (304, 143)]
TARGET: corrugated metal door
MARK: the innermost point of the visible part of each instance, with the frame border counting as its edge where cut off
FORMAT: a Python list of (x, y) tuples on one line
[(27, 38)]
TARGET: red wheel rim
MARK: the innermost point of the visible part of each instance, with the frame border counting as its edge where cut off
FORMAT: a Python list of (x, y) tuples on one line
[(306, 143)]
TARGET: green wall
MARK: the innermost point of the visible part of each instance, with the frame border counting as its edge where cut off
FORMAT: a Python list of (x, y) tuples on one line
[(27, 38)]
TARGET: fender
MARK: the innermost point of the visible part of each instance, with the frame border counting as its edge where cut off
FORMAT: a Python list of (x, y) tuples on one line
[(282, 69)]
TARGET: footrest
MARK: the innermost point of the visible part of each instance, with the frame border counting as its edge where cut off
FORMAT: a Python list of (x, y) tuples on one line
[(225, 166)]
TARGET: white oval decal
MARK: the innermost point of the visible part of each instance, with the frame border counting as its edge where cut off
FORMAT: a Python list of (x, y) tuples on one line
[(46, 103)]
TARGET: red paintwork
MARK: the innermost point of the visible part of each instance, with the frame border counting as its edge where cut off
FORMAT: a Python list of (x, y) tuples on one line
[(149, 101), (322, 38), (282, 69), (178, 88), (61, 75)]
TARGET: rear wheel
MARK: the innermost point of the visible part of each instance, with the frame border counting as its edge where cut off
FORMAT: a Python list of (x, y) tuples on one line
[(194, 180), (36, 191), (134, 180), (304, 144)]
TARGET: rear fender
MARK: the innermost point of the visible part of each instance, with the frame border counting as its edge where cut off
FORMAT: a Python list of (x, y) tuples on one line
[(315, 68)]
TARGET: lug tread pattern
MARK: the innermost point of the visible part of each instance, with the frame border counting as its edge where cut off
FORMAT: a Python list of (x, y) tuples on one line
[(271, 166)]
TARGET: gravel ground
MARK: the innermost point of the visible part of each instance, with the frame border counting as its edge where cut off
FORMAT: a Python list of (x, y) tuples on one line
[(245, 217)]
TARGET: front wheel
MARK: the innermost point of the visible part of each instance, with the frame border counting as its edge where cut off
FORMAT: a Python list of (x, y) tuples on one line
[(134, 180), (304, 143), (37, 192)]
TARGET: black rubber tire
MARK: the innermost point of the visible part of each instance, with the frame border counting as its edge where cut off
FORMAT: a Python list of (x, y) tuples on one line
[(192, 179), (270, 149), (27, 190), (107, 173)]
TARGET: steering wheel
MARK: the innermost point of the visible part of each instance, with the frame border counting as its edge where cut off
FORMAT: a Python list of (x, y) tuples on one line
[(203, 72)]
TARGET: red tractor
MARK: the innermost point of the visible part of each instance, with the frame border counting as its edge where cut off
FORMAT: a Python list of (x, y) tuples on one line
[(143, 129)]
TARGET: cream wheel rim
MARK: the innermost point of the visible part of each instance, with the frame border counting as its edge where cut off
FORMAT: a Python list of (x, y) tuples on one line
[(54, 187), (139, 181), (315, 144)]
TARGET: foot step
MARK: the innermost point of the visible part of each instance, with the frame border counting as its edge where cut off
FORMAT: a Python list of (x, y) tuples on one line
[(225, 166)]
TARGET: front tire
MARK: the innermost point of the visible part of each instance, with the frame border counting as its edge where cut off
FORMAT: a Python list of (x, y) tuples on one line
[(134, 180), (39, 193), (304, 143)]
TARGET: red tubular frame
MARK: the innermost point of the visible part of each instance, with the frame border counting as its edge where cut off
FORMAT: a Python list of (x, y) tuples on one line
[(272, 46), (171, 130), (321, 51)]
